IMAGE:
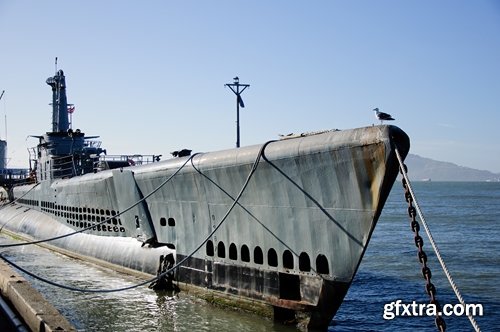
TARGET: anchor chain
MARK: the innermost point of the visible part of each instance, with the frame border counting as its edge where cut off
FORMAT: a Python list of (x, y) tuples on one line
[(422, 256)]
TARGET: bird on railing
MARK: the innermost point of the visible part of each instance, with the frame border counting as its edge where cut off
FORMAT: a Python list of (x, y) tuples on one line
[(382, 116)]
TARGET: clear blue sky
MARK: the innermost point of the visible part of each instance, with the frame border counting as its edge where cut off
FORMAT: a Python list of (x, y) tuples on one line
[(148, 76)]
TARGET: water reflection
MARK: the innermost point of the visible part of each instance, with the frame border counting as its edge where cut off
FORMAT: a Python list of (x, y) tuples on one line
[(138, 309)]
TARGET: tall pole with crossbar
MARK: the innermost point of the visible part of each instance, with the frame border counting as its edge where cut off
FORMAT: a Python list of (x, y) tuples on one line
[(237, 89)]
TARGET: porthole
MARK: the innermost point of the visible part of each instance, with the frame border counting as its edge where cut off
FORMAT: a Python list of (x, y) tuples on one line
[(163, 221), (287, 259), (210, 248), (171, 221), (258, 256), (272, 258), (322, 264), (245, 253), (304, 262), (233, 252), (221, 250)]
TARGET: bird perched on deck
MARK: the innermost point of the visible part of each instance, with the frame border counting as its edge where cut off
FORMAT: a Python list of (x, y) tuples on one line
[(382, 116), (181, 153)]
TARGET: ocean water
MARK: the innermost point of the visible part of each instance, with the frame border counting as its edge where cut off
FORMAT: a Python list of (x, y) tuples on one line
[(463, 218)]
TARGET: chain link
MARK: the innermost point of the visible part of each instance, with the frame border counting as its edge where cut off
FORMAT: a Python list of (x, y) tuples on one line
[(422, 256)]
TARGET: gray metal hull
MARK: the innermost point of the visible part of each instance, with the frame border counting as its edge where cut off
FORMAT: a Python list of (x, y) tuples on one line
[(294, 240)]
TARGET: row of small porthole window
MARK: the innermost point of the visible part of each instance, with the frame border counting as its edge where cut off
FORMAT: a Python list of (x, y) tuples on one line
[(47, 206), (272, 257), (99, 228), (64, 208), (86, 217), (31, 202)]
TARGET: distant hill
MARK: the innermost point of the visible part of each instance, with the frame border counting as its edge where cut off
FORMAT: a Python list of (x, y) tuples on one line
[(420, 169)]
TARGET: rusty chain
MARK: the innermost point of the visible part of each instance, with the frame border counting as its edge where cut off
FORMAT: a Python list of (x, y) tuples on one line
[(422, 256), (430, 289)]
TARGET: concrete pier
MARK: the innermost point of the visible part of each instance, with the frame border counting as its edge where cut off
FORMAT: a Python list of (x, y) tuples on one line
[(28, 305)]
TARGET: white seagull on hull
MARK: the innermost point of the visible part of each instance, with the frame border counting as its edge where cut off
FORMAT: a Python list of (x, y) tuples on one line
[(382, 116)]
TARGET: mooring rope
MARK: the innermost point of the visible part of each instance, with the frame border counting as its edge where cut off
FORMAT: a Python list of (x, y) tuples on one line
[(14, 201), (177, 265), (105, 220), (259, 221), (433, 243)]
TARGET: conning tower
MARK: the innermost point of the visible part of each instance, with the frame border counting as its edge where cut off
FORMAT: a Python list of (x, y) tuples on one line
[(60, 122), (63, 152)]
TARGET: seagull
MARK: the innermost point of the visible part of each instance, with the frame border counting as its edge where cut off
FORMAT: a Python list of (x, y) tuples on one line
[(382, 116)]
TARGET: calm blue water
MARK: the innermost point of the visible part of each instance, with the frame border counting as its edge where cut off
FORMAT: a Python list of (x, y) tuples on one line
[(463, 218)]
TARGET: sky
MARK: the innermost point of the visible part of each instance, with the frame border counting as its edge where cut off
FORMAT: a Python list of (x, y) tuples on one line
[(148, 76)]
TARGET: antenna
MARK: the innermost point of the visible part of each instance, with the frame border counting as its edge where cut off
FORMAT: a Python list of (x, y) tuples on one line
[(1, 95), (239, 102), (56, 65)]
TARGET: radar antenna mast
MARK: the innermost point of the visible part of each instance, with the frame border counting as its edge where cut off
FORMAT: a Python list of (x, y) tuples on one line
[(5, 116), (235, 87)]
